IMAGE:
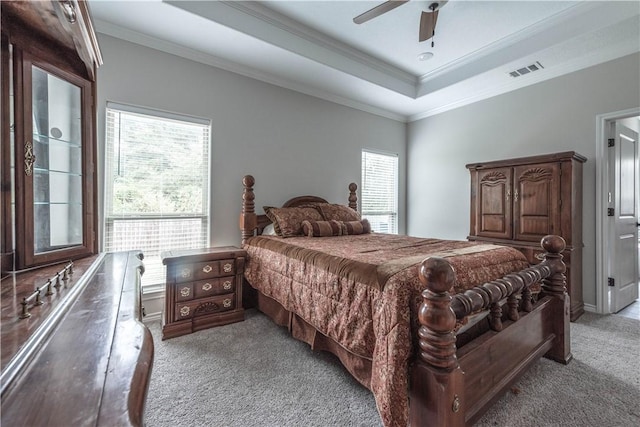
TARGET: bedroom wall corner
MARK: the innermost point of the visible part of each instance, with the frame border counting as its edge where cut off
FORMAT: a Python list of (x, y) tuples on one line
[(552, 116)]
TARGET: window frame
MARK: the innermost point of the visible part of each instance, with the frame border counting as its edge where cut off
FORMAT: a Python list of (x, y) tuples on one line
[(108, 215), (395, 213)]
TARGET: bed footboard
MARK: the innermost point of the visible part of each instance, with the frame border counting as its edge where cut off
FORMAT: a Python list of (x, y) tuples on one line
[(454, 388)]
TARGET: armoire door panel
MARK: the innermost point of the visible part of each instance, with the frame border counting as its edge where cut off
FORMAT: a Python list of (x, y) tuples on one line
[(536, 201), (494, 200)]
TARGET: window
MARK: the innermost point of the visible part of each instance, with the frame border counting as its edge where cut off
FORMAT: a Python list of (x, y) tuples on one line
[(379, 193), (157, 184)]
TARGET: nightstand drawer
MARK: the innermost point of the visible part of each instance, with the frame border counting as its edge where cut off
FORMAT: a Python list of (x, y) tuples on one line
[(189, 309), (184, 291), (217, 286), (204, 270)]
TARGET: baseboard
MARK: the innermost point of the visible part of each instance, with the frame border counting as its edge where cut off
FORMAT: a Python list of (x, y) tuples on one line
[(590, 308), (153, 302), (150, 318)]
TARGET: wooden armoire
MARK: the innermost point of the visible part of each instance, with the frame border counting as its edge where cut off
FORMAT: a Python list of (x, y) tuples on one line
[(516, 202)]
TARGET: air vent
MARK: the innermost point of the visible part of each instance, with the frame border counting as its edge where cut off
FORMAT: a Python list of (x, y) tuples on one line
[(526, 70)]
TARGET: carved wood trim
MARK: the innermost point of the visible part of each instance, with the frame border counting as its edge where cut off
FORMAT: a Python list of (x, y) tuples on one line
[(439, 310), (536, 174), (353, 198), (248, 219), (493, 178)]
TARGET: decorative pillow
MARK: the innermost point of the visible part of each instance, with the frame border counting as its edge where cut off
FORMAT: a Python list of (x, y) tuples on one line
[(321, 228), (356, 227), (288, 221), (269, 230), (337, 212)]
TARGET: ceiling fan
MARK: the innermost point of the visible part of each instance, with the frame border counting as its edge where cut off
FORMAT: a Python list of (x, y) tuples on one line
[(427, 18)]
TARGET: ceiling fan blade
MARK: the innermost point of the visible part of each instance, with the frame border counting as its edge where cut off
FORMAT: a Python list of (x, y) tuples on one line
[(427, 25), (378, 10)]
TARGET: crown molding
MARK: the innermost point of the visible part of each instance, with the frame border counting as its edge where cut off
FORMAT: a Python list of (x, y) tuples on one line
[(271, 17), (135, 37), (258, 21), (563, 26), (578, 64), (499, 45)]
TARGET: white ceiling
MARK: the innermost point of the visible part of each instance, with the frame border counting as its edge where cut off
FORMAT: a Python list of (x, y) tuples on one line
[(315, 48)]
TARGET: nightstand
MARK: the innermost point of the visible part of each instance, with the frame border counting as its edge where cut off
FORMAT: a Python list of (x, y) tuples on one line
[(203, 289)]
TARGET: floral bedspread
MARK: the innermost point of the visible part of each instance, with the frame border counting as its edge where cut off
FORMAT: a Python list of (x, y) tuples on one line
[(363, 292)]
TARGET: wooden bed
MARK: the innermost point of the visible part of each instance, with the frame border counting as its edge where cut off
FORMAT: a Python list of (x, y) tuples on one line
[(466, 349)]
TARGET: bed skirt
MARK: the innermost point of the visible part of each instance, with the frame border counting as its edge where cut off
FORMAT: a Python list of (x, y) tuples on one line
[(359, 367)]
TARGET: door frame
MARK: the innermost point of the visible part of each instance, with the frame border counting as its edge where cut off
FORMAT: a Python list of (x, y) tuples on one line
[(603, 125)]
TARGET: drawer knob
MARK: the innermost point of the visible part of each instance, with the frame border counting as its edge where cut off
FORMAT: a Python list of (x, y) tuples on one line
[(206, 286), (227, 284), (227, 267), (207, 268), (184, 311), (185, 291), (226, 303), (185, 273)]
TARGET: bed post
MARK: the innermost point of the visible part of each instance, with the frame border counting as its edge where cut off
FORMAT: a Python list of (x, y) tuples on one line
[(353, 198), (437, 382), (248, 218), (555, 286)]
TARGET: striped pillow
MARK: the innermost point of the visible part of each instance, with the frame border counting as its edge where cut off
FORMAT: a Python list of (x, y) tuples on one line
[(356, 227), (321, 228)]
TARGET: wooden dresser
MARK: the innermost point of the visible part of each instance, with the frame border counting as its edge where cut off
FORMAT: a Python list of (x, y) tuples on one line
[(516, 202), (82, 357), (204, 289)]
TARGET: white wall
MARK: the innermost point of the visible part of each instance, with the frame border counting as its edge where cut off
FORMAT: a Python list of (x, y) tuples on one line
[(552, 116), (293, 144)]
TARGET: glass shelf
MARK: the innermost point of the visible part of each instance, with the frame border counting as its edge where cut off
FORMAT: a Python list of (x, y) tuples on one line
[(48, 171), (46, 139)]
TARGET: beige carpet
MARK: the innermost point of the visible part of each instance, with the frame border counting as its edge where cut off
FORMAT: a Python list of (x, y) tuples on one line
[(254, 374)]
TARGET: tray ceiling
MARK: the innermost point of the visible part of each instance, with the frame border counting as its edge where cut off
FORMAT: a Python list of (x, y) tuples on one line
[(315, 48)]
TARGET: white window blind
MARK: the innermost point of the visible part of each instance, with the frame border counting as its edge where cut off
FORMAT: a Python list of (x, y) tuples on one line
[(379, 192), (157, 184)]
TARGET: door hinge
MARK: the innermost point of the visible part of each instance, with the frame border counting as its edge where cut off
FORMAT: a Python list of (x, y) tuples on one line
[(611, 142), (611, 281), (610, 211)]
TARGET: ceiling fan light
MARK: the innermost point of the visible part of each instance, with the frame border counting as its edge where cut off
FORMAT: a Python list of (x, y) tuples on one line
[(425, 56)]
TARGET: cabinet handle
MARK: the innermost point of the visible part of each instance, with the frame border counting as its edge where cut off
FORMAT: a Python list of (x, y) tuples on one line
[(29, 158), (185, 273), (207, 269), (226, 303), (227, 285), (185, 291), (227, 267), (206, 286), (515, 196)]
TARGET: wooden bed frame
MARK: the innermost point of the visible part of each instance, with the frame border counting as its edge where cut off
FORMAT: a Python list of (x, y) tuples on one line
[(451, 386)]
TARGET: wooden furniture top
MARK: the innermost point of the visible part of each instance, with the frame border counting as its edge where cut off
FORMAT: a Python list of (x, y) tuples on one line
[(543, 158), (64, 26), (15, 332), (202, 254), (93, 365)]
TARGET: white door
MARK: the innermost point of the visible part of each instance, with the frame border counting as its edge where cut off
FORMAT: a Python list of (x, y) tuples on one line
[(623, 259)]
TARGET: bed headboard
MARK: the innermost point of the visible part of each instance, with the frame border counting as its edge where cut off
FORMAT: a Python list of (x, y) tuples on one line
[(303, 200), (251, 223)]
